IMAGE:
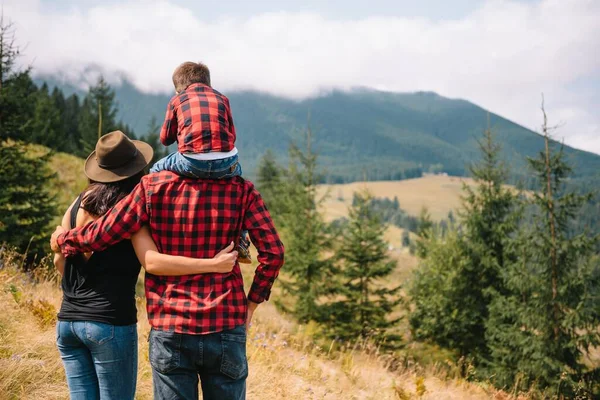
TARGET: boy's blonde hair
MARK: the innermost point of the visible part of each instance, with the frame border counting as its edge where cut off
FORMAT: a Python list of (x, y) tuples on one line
[(189, 73)]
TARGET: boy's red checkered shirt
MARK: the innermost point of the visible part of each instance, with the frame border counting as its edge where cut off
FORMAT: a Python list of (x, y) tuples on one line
[(199, 119), (193, 218)]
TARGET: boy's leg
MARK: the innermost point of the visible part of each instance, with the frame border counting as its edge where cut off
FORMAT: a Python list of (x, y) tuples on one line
[(225, 168), (165, 163), (179, 164)]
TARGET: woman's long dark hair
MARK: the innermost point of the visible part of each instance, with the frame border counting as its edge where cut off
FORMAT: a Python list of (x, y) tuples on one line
[(101, 197)]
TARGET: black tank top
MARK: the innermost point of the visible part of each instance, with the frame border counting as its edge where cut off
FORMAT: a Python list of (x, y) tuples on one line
[(101, 289)]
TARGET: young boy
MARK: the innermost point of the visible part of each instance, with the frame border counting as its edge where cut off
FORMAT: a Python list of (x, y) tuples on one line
[(199, 120)]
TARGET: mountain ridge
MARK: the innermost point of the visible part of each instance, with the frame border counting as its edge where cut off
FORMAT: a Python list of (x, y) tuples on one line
[(360, 133)]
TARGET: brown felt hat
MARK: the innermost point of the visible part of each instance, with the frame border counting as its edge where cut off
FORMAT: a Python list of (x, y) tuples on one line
[(117, 157)]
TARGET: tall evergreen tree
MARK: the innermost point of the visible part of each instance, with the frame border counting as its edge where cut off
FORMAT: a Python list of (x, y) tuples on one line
[(425, 230), (472, 259), (539, 331), (97, 115), (488, 220), (47, 126), (17, 90), (270, 178), (361, 303), (438, 290), (153, 139), (307, 264), (26, 207), (70, 118)]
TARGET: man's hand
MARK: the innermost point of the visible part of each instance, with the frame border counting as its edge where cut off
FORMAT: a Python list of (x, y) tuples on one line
[(251, 307), (54, 239)]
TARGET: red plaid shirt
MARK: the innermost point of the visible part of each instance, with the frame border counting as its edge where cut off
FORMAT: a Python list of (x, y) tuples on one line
[(192, 218), (199, 119)]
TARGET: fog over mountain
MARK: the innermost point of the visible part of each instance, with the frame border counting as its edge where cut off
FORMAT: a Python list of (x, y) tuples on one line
[(358, 132), (499, 54)]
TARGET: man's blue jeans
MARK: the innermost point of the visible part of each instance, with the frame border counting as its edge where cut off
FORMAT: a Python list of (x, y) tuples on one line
[(100, 359), (218, 359), (201, 169)]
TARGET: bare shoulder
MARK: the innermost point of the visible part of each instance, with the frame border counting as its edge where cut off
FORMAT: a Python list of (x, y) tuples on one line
[(83, 217)]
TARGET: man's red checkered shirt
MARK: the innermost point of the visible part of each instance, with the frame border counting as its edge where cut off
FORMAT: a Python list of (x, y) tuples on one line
[(192, 218), (199, 119)]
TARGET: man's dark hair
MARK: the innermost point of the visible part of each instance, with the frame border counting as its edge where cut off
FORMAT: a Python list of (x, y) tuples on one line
[(101, 197), (189, 73)]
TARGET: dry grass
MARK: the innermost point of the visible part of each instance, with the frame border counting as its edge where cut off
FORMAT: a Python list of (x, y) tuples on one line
[(439, 194), (70, 179), (285, 363)]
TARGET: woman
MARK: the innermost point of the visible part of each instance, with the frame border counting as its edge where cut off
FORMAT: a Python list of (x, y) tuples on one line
[(96, 330)]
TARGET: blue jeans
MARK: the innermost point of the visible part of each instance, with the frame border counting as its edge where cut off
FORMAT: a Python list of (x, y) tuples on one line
[(201, 169), (218, 359), (100, 359)]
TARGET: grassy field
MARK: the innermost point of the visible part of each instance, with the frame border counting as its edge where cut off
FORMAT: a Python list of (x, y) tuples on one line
[(69, 181), (285, 362), (439, 194)]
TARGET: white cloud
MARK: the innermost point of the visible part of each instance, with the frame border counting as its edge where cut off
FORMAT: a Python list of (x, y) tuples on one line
[(501, 56)]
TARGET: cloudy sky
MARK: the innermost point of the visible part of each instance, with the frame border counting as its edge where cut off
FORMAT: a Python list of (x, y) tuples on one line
[(499, 54)]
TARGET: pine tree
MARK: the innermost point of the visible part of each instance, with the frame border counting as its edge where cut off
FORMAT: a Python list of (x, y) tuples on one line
[(405, 238), (361, 303), (26, 207), (539, 331), (153, 139), (270, 176), (425, 229), (97, 115), (453, 304), (438, 290), (308, 266), (488, 219), (68, 108), (70, 118), (47, 124), (17, 90)]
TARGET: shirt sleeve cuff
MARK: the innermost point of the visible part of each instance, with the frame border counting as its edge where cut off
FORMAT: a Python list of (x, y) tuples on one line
[(254, 297), (65, 249)]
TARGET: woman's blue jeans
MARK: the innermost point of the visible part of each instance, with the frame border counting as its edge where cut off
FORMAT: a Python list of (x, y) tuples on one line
[(100, 359)]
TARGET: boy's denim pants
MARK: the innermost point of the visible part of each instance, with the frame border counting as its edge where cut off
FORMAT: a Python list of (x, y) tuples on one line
[(100, 359), (218, 359), (201, 169)]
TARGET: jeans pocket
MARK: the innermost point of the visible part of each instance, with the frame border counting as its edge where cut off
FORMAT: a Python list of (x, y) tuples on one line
[(58, 323), (99, 333), (165, 350), (234, 363)]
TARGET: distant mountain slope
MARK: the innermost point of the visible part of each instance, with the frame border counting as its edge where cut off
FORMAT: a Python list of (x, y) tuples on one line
[(363, 133)]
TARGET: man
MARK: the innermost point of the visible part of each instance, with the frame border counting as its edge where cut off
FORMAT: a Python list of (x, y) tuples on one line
[(198, 321)]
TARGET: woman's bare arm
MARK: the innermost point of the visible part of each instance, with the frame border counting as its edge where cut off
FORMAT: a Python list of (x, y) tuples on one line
[(163, 264), (59, 259)]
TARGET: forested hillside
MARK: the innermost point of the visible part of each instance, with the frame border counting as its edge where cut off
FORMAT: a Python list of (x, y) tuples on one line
[(362, 133)]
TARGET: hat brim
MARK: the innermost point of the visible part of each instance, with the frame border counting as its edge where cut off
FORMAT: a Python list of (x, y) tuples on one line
[(142, 160)]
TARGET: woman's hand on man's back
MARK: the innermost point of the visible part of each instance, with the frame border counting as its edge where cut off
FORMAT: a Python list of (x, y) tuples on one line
[(225, 260)]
